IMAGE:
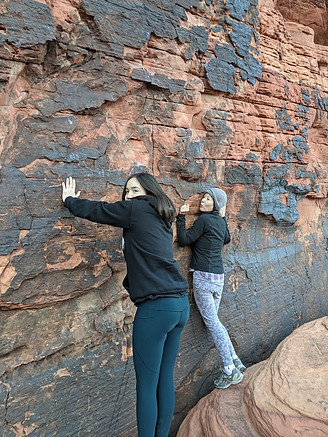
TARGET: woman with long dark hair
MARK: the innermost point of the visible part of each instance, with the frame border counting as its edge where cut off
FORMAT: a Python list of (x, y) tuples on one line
[(155, 285)]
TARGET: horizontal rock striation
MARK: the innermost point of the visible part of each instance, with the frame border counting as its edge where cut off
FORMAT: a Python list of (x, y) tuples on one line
[(200, 93)]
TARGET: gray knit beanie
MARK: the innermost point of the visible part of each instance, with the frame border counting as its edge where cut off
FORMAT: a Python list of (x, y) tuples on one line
[(219, 196)]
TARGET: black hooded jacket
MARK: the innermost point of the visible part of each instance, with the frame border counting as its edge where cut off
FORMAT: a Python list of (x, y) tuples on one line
[(151, 270), (206, 237)]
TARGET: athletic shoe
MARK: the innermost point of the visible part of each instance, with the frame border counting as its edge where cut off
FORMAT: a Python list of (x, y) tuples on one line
[(225, 381), (240, 366)]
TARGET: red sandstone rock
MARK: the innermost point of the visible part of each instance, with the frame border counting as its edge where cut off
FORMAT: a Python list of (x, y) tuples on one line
[(285, 395), (312, 13), (97, 89)]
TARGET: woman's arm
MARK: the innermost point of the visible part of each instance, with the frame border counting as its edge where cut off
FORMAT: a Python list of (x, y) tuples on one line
[(114, 214), (187, 237)]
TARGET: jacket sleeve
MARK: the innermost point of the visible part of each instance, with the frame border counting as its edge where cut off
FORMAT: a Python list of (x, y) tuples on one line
[(114, 214), (227, 238), (187, 237)]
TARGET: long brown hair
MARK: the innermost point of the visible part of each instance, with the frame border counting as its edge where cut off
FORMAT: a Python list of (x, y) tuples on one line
[(165, 206)]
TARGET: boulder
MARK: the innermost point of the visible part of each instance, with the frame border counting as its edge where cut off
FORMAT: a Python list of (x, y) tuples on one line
[(283, 396)]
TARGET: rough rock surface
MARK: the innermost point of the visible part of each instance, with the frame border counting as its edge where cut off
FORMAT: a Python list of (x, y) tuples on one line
[(283, 396), (201, 93)]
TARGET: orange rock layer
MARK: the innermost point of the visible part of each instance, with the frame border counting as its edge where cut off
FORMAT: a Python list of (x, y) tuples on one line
[(284, 396)]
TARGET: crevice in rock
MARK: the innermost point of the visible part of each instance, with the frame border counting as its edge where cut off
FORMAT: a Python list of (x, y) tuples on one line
[(120, 399), (310, 13)]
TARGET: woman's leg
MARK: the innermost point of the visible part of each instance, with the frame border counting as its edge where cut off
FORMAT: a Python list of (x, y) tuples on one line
[(217, 299), (165, 390), (147, 372), (156, 335), (207, 297)]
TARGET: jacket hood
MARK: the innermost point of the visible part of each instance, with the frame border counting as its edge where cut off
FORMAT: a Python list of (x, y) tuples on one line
[(152, 201)]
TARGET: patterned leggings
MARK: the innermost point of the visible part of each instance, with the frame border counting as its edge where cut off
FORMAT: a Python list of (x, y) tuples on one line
[(208, 292)]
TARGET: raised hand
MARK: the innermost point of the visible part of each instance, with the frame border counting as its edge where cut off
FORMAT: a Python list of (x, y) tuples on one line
[(184, 208), (68, 189), (222, 211)]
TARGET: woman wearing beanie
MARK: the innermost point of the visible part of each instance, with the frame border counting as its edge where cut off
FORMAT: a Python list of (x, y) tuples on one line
[(206, 237)]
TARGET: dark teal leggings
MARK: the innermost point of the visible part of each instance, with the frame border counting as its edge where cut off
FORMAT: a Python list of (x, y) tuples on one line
[(157, 329)]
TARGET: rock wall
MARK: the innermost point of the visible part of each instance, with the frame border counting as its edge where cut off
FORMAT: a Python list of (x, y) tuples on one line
[(229, 93)]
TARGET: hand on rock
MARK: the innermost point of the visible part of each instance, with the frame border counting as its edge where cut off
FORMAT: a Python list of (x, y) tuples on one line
[(184, 208), (222, 211), (68, 189)]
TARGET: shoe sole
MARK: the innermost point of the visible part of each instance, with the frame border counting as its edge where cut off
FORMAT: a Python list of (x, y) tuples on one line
[(236, 381)]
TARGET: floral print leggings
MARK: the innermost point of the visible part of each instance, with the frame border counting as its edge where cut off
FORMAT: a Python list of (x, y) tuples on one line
[(208, 289)]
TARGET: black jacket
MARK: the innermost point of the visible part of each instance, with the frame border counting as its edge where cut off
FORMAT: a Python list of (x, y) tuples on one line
[(206, 237), (151, 270)]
